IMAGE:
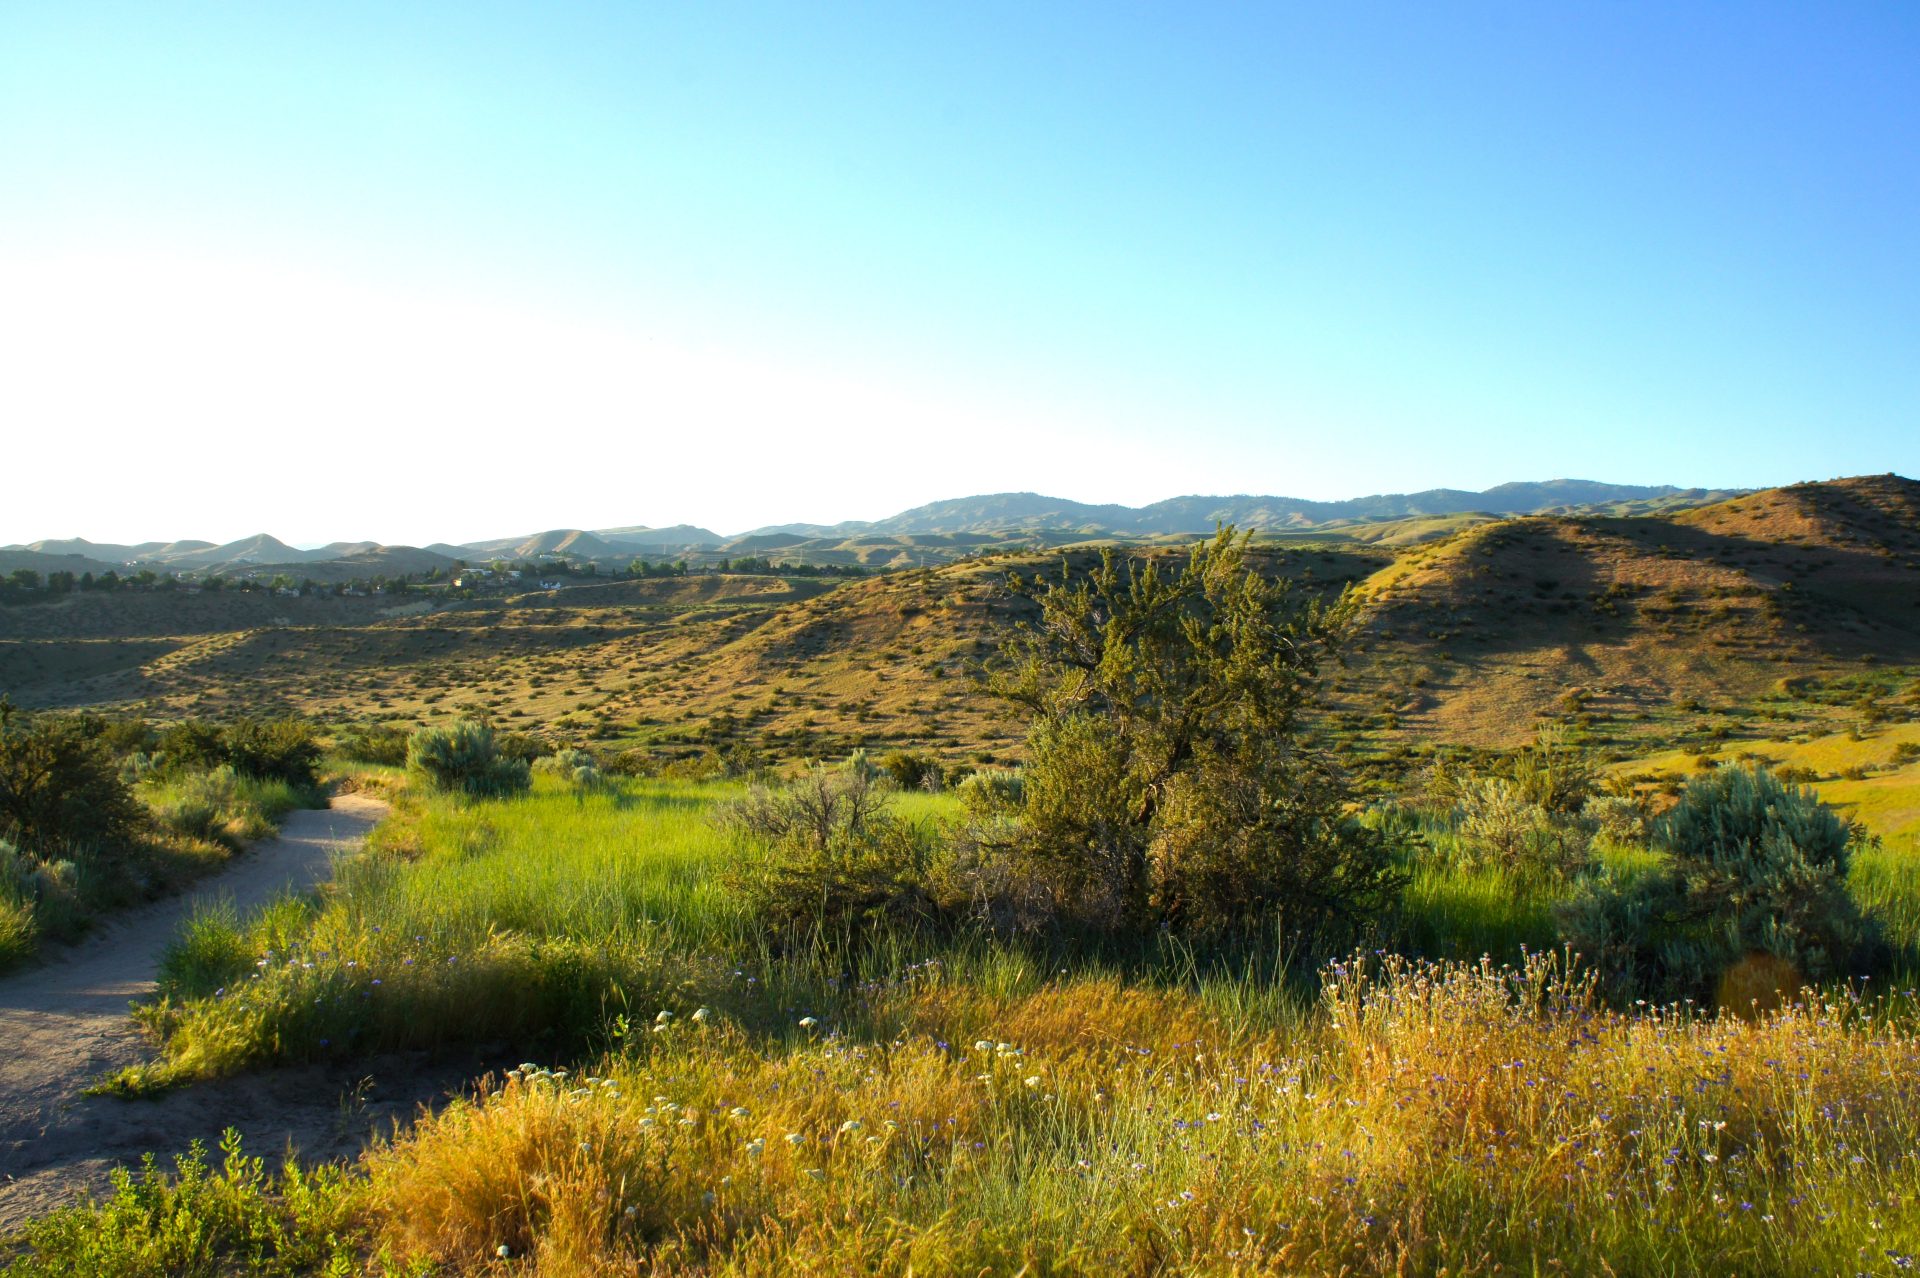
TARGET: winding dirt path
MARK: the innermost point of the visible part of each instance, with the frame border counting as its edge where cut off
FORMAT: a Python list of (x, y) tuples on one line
[(64, 1023)]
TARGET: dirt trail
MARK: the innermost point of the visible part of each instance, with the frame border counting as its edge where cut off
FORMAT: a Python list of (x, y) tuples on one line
[(65, 1022)]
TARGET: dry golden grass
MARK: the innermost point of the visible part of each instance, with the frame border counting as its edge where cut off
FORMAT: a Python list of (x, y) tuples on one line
[(1422, 1120)]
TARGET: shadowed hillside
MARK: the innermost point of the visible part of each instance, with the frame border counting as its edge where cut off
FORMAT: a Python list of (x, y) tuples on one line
[(1478, 637)]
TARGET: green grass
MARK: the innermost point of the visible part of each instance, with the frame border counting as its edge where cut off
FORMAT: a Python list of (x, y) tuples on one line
[(538, 920), (200, 1221), (1163, 1110)]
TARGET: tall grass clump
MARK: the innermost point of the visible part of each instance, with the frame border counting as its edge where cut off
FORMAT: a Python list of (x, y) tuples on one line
[(222, 804)]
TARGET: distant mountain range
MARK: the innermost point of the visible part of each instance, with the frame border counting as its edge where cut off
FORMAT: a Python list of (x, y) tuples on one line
[(1031, 512), (956, 525)]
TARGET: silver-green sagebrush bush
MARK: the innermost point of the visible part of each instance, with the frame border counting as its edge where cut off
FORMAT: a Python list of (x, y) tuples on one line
[(577, 768), (836, 855), (464, 758), (1755, 869)]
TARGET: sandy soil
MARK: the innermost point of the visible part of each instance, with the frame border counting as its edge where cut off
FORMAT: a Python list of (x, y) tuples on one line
[(64, 1023)]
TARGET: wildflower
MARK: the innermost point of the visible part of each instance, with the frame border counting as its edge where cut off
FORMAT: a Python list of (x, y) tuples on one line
[(739, 1111), (1032, 1080), (982, 1045), (816, 1173), (756, 1147), (503, 1251), (808, 1022), (849, 1127), (708, 1198), (665, 1017), (701, 1016), (795, 1138)]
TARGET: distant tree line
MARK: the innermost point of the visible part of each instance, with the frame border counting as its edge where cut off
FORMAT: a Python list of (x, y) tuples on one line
[(24, 585), (744, 564)]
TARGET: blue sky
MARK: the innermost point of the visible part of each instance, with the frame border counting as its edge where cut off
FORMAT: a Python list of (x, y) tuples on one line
[(424, 271)]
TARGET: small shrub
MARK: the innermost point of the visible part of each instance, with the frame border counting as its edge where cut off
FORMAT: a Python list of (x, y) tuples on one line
[(522, 746), (376, 743), (1501, 826), (632, 763), (200, 1220), (576, 767), (992, 791), (705, 766), (908, 769), (462, 758), (1617, 817), (835, 856)]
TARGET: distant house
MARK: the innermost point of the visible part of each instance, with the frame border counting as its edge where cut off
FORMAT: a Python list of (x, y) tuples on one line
[(549, 584)]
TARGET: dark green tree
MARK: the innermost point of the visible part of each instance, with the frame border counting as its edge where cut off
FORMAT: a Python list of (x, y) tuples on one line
[(1170, 777), (60, 786)]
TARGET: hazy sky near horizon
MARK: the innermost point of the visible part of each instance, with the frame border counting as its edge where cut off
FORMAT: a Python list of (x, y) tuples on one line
[(444, 271)]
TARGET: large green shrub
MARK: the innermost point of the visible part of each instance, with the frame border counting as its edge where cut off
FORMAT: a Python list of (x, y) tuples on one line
[(273, 750), (60, 787), (191, 744), (1754, 867), (269, 749), (1170, 779), (1269, 842), (463, 758)]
